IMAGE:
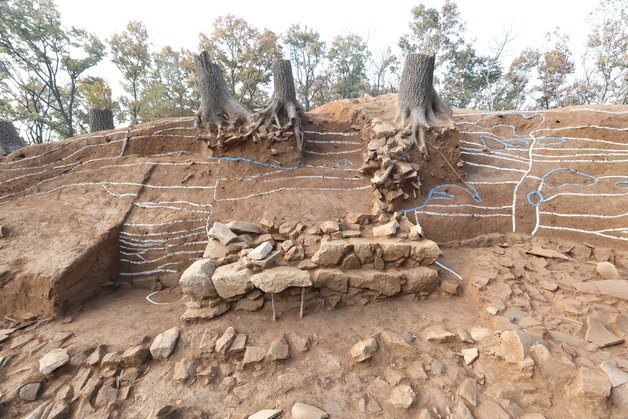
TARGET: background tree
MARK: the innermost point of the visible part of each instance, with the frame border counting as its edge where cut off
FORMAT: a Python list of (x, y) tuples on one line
[(40, 58), (171, 89), (245, 54), (130, 53), (383, 64), (307, 53), (606, 56), (348, 56), (555, 65), (513, 90), (99, 106)]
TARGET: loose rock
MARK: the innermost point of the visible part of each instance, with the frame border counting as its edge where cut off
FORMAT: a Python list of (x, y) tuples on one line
[(29, 392), (53, 360), (304, 411), (402, 397), (222, 233), (253, 354), (364, 350), (164, 343)]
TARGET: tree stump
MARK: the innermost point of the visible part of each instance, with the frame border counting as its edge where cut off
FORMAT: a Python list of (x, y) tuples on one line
[(419, 107), (283, 103), (10, 140), (100, 120), (218, 107)]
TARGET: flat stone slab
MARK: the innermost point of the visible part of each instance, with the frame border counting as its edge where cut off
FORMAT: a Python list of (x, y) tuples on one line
[(278, 279)]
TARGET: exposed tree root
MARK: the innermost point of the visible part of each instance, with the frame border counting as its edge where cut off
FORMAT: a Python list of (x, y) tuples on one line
[(283, 104), (420, 108)]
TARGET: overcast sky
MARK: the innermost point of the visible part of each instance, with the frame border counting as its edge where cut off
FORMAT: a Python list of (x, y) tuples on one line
[(178, 23)]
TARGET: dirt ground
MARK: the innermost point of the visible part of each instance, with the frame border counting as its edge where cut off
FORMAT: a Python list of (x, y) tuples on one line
[(535, 232)]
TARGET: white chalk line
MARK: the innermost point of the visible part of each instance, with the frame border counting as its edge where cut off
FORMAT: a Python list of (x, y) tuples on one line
[(448, 270), (165, 223), (462, 214), (161, 233), (492, 167), (333, 153), (578, 230), (557, 214), (514, 194), (289, 189), (342, 134)]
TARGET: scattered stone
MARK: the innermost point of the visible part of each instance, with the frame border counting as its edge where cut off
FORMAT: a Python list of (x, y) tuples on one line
[(546, 253), (112, 359), (470, 355), (424, 252), (468, 390), (382, 129), (415, 233), (304, 411), (266, 414), (617, 288), (269, 261), (240, 227), (299, 343), (557, 370), (599, 335), (607, 270), (388, 229), (437, 334), (591, 384), (232, 280), (278, 279), (417, 371), (450, 286), (278, 350), (196, 280), (183, 370), (107, 394), (548, 285), (95, 357), (616, 376), (358, 218), (222, 233), (394, 250), (464, 336), (402, 397), (490, 409), (53, 360), (239, 343), (461, 411), (619, 397), (364, 350), (397, 343), (29, 392), (329, 227), (228, 383), (515, 345), (215, 250), (295, 253), (253, 354), (480, 333), (261, 251), (4, 231), (294, 380), (224, 342), (164, 343), (249, 305)]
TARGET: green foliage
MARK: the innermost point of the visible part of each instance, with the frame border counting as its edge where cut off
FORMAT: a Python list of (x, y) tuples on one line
[(554, 66), (307, 53), (130, 53), (41, 66), (245, 54), (96, 92), (513, 90), (348, 56)]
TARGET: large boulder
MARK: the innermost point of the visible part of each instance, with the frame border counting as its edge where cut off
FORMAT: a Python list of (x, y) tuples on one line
[(232, 280), (420, 280), (278, 279), (331, 252), (196, 280)]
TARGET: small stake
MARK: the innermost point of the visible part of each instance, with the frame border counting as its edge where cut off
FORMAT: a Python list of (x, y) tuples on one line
[(302, 299), (272, 300)]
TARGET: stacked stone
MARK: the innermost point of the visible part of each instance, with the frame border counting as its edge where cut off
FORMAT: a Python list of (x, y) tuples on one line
[(346, 260)]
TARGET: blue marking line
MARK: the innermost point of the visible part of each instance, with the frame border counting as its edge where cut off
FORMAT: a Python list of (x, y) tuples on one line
[(469, 189), (344, 164), (506, 143), (559, 141), (540, 196), (274, 166), (595, 179), (622, 184), (514, 129)]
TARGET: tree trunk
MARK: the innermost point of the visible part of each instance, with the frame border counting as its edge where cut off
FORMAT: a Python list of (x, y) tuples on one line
[(283, 103), (10, 140), (101, 120), (419, 106), (218, 107)]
